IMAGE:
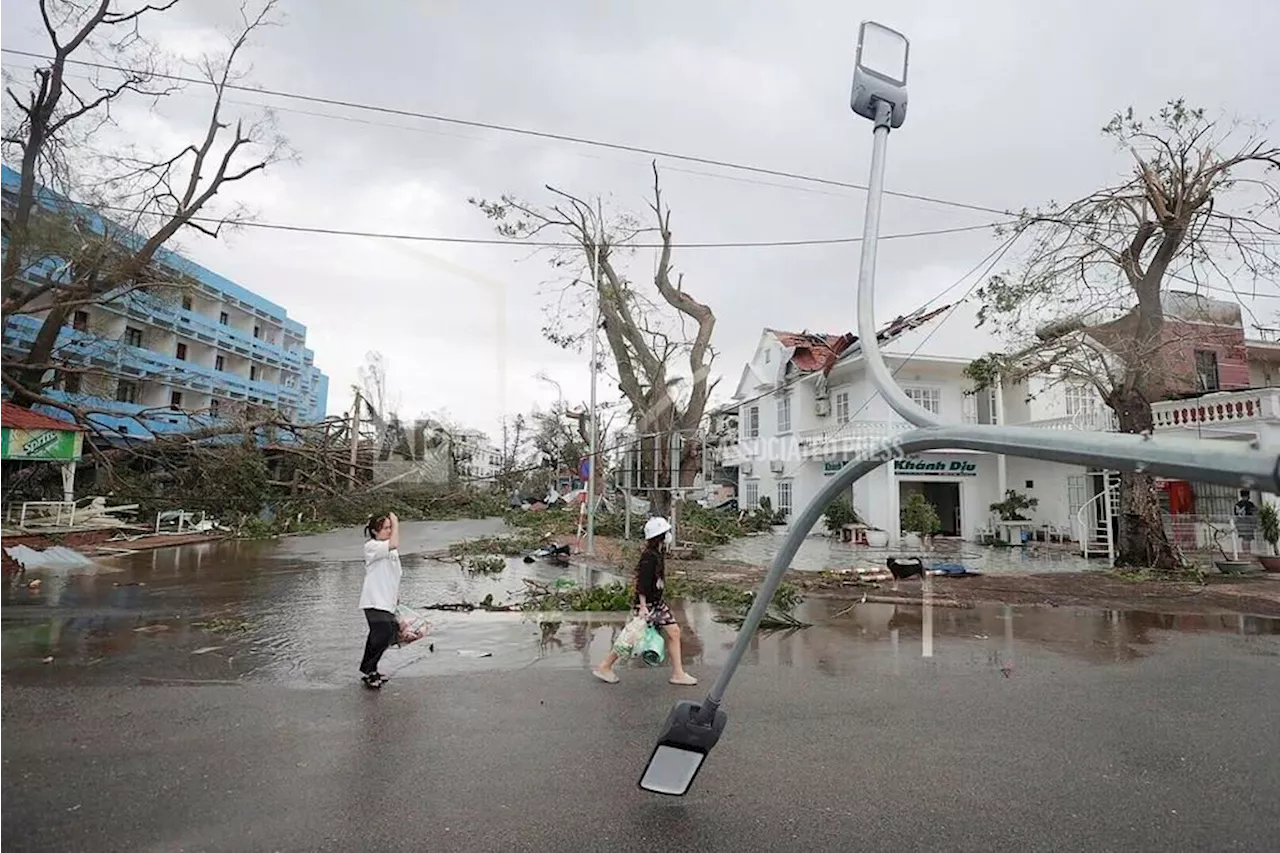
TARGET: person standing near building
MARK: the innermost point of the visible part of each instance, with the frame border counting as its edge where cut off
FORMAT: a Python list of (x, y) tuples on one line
[(1246, 517), (381, 593), (647, 602)]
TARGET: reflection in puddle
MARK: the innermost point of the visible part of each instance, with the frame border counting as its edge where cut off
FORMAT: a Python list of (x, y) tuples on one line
[(258, 611)]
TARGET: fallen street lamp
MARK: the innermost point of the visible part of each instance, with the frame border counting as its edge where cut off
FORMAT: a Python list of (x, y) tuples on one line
[(690, 732), (693, 729)]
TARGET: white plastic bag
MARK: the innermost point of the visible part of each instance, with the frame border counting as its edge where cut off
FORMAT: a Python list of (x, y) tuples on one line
[(630, 637), (412, 625)]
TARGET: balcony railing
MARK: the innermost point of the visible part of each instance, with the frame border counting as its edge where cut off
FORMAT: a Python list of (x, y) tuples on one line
[(1093, 420), (849, 437), (1224, 408)]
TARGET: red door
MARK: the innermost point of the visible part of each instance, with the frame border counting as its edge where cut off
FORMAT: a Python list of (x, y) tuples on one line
[(1182, 503)]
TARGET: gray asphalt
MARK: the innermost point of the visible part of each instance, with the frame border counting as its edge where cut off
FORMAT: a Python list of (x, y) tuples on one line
[(1174, 750)]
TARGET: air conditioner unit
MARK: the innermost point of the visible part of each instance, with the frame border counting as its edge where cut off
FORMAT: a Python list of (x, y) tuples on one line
[(745, 469), (777, 466), (822, 407)]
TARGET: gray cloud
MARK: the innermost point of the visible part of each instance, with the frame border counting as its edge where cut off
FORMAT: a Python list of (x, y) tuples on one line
[(1007, 100)]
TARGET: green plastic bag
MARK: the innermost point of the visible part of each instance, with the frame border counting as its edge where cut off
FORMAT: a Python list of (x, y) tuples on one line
[(652, 647)]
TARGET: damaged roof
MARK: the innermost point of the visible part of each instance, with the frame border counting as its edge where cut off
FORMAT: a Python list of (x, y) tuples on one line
[(14, 416), (816, 351)]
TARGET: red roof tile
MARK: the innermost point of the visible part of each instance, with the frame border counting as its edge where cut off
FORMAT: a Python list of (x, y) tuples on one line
[(16, 417)]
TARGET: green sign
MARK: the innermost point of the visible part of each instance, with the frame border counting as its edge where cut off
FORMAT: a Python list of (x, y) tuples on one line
[(41, 444), (829, 468)]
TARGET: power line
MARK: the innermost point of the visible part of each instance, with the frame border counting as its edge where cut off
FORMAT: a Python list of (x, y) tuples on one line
[(520, 131), (501, 241)]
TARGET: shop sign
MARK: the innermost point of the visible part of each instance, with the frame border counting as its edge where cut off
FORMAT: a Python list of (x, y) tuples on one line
[(49, 444), (916, 466)]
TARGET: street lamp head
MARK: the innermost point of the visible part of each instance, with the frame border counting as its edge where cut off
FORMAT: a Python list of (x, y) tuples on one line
[(690, 732), (880, 74)]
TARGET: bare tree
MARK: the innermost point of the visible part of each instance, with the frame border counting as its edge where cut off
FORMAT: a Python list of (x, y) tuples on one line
[(645, 337), (1088, 302), (63, 255), (514, 457)]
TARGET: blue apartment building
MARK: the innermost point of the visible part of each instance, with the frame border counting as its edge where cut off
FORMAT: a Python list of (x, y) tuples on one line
[(177, 359)]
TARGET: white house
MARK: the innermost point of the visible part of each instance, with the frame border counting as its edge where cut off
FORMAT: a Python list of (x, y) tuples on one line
[(806, 406), (477, 458)]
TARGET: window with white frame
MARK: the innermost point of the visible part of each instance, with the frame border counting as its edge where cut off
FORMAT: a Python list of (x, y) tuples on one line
[(842, 407), (1080, 400), (784, 413), (926, 398), (784, 497), (751, 423), (751, 494)]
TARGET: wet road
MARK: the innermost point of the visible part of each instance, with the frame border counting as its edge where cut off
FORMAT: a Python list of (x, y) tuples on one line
[(882, 727)]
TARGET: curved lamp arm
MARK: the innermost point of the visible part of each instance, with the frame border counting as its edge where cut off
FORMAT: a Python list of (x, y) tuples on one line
[(871, 357)]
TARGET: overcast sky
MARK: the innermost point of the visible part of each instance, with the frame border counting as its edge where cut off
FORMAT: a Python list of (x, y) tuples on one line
[(1007, 99)]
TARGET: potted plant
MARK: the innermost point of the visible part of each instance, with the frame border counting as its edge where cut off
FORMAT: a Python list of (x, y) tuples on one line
[(877, 538), (776, 520), (839, 513), (1010, 509), (1269, 527), (920, 517), (1232, 565)]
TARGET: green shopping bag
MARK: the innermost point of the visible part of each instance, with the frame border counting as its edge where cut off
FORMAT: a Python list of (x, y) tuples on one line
[(652, 647)]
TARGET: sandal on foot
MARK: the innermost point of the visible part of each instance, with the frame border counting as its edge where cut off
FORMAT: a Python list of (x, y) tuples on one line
[(609, 677), (685, 680), (372, 680)]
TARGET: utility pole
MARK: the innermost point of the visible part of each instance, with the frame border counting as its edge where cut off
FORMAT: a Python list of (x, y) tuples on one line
[(355, 436), (592, 458)]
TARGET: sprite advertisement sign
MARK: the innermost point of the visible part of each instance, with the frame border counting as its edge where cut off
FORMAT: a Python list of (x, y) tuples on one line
[(53, 445)]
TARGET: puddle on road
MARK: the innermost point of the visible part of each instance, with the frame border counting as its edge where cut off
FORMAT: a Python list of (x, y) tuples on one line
[(285, 612)]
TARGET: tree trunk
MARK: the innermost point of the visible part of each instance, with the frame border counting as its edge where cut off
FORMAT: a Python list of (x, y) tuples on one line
[(41, 354), (1142, 543)]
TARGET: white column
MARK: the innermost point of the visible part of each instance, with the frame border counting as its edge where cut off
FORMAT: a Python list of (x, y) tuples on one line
[(69, 481), (893, 525), (1002, 464)]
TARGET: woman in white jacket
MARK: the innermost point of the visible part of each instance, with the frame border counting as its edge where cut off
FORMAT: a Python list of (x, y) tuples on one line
[(381, 593)]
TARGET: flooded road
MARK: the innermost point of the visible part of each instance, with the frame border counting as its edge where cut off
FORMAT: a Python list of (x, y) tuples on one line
[(285, 612)]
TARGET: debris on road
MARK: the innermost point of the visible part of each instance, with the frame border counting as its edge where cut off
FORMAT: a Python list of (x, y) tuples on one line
[(57, 557)]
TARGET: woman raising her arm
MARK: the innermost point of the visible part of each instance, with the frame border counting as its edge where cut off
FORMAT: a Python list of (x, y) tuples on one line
[(381, 593)]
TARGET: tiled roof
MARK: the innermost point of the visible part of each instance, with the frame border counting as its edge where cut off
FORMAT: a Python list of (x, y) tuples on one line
[(16, 417)]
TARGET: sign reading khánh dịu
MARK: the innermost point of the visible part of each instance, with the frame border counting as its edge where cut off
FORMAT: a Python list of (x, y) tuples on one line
[(45, 444), (916, 466)]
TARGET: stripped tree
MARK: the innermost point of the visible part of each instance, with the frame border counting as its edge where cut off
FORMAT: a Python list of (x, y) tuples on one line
[(87, 220), (646, 337), (1088, 303)]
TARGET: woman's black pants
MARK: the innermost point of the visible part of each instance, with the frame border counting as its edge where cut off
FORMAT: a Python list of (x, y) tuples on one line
[(382, 633)]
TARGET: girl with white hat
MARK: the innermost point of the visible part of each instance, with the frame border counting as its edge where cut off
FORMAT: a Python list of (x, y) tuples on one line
[(647, 602)]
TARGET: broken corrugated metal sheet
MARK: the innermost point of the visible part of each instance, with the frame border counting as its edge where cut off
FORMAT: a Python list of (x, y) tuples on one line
[(813, 351)]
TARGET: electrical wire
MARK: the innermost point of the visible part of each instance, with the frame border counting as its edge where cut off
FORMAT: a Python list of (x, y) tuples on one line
[(520, 131), (503, 241)]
